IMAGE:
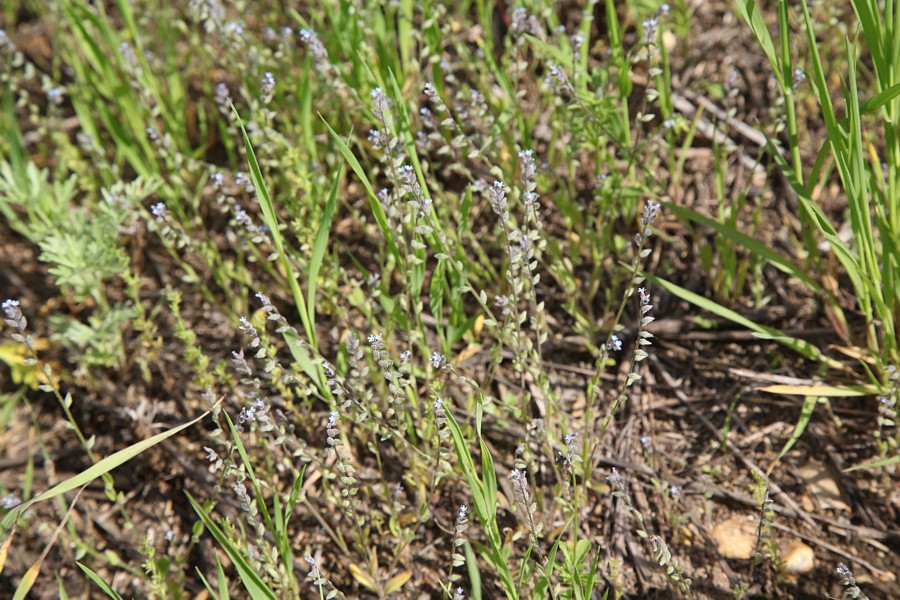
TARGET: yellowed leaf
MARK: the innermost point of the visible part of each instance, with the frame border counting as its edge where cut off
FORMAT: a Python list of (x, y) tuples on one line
[(466, 353), (479, 325), (4, 549), (28, 580), (363, 578), (822, 390), (15, 355), (397, 582)]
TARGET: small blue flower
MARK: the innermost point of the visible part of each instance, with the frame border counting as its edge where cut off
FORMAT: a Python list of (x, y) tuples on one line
[(55, 95), (160, 211), (615, 344)]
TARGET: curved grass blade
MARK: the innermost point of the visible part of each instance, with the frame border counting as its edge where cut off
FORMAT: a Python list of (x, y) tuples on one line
[(755, 246), (319, 246), (271, 220), (802, 347), (99, 582), (374, 202), (251, 580), (100, 468)]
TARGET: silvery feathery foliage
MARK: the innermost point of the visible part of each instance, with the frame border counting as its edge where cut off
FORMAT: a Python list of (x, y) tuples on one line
[(377, 138), (381, 105), (438, 360), (240, 362), (241, 180), (250, 510), (440, 416), (558, 81), (240, 490), (664, 559), (258, 408), (320, 581), (649, 27), (56, 95), (503, 303), (522, 23), (314, 572), (213, 457), (232, 35), (15, 318), (392, 211), (577, 41), (315, 47), (528, 177), (571, 456), (649, 216), (614, 344), (335, 383), (129, 60), (259, 234)]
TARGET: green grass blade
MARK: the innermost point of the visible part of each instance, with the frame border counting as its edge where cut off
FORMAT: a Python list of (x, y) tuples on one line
[(99, 582), (251, 474), (877, 101), (374, 202), (205, 582), (473, 571), (876, 464), (271, 220), (755, 246), (806, 413), (802, 347), (319, 246), (252, 581), (100, 468), (222, 581), (751, 15), (468, 467)]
